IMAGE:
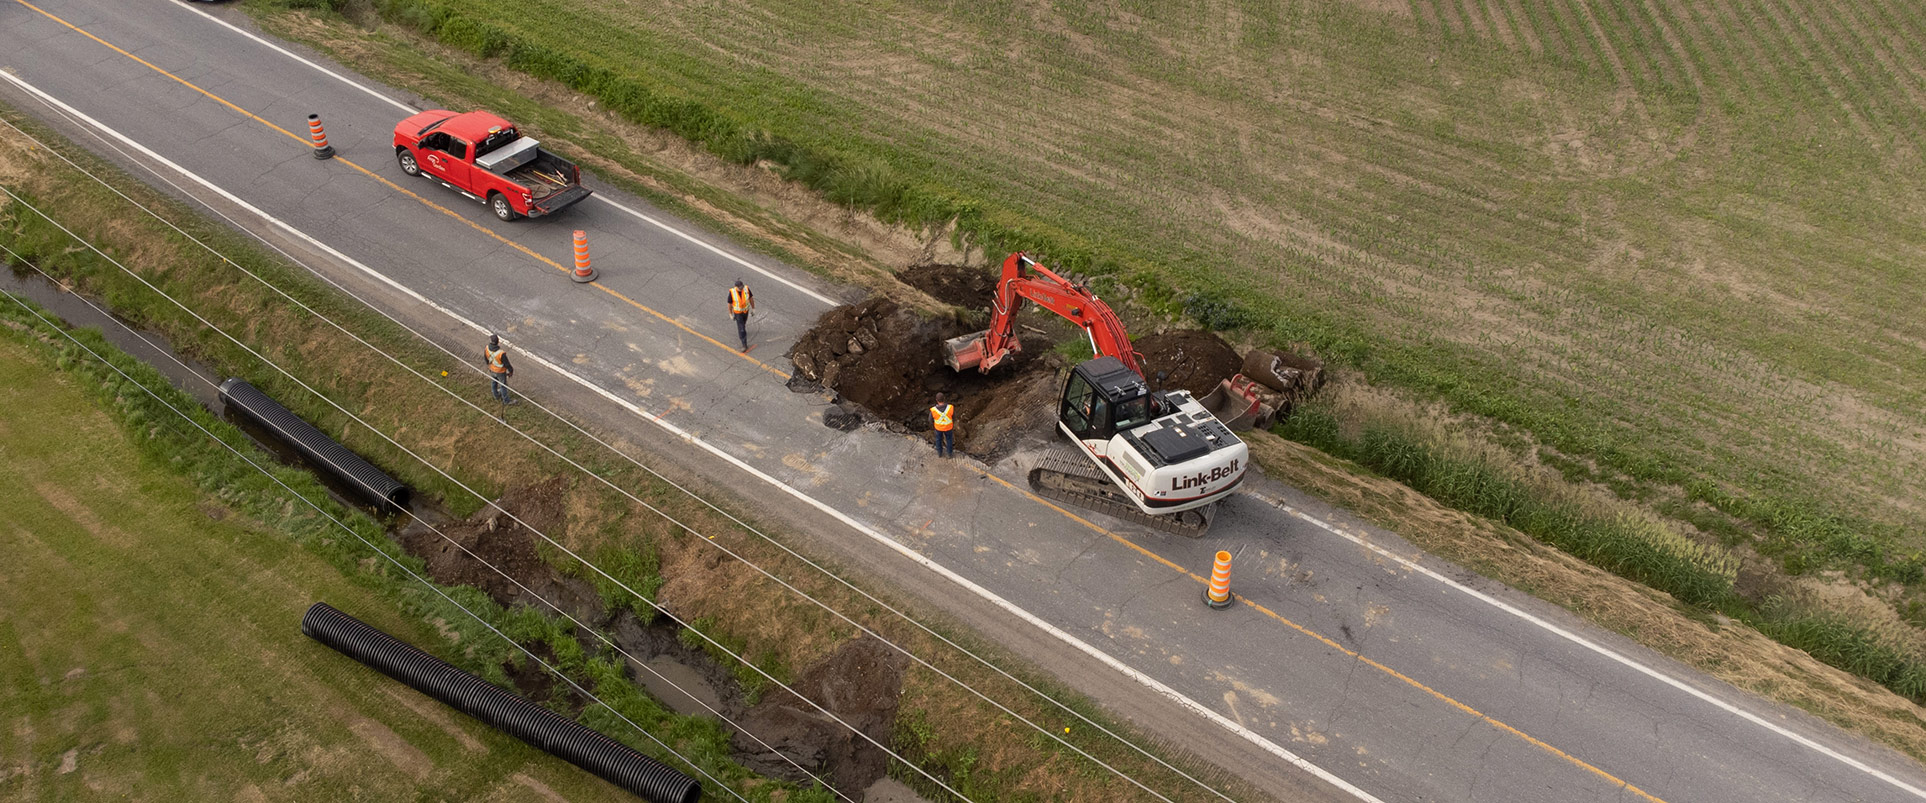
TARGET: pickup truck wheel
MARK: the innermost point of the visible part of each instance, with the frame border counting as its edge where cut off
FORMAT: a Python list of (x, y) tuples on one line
[(503, 209), (407, 160)]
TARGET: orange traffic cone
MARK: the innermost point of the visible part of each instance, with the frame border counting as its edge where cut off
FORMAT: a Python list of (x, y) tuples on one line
[(322, 150), (583, 273), (1218, 596)]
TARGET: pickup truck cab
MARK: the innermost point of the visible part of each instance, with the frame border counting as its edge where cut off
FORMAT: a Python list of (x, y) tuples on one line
[(485, 158)]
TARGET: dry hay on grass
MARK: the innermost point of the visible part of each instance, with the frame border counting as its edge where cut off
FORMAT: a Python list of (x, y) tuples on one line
[(1731, 652), (22, 163)]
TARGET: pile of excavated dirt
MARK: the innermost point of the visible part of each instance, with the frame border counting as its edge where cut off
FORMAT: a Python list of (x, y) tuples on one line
[(495, 537), (1188, 359), (889, 362), (875, 354), (861, 683), (958, 285)]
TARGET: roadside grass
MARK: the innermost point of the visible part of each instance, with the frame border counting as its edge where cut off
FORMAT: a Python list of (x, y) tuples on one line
[(152, 648), (776, 630), (1660, 205), (1421, 452)]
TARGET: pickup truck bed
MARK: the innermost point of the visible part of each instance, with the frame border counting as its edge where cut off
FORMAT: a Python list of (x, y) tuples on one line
[(486, 158)]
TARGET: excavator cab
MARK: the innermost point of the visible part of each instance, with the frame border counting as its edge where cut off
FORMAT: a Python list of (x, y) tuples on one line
[(1102, 397)]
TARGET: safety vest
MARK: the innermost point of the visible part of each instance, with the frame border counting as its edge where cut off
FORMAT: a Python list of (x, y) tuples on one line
[(497, 360), (738, 300), (944, 418)]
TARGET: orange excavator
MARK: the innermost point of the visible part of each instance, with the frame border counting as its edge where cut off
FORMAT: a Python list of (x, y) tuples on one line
[(1156, 457)]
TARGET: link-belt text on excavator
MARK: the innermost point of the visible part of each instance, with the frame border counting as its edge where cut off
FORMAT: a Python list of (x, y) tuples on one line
[(1205, 477)]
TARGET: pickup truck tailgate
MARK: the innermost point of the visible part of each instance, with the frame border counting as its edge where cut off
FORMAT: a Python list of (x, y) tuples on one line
[(559, 201)]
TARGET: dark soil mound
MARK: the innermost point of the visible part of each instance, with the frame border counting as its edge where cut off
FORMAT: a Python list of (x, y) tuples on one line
[(862, 684), (1188, 359), (890, 362), (959, 285), (496, 538), (875, 354)]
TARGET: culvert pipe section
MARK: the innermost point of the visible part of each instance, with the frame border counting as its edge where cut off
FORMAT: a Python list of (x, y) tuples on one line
[(566, 739), (324, 451)]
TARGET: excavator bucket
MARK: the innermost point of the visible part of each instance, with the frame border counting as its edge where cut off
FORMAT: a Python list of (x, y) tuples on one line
[(966, 352), (1235, 403)]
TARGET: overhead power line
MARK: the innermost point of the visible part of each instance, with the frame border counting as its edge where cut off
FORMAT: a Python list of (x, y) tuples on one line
[(640, 664), (711, 641), (351, 531)]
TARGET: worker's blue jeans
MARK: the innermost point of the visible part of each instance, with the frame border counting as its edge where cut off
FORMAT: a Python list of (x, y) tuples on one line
[(945, 443), (500, 388)]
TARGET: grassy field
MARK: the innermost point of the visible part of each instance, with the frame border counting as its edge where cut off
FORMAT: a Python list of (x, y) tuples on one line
[(1668, 242), (151, 647)]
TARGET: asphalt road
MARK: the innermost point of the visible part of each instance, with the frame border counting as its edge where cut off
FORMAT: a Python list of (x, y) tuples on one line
[(1390, 675)]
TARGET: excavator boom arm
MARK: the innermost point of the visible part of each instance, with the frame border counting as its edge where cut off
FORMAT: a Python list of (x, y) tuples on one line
[(1057, 294)]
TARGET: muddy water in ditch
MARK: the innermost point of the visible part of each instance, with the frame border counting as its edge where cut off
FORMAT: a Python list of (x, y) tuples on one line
[(196, 379)]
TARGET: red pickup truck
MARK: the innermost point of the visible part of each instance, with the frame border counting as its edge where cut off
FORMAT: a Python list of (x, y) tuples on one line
[(483, 157)]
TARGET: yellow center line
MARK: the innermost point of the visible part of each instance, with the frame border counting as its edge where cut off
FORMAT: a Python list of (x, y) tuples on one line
[(1327, 641), (424, 201)]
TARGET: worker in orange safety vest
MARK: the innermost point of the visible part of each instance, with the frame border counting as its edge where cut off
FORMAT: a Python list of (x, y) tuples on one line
[(943, 418), (499, 368), (741, 301)]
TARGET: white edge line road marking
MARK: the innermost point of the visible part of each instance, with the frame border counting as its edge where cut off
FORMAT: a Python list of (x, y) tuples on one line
[(826, 300), (984, 593), (1500, 604), (1593, 646)]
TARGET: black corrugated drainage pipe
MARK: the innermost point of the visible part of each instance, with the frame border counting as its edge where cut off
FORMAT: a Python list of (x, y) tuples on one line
[(566, 739), (380, 488)]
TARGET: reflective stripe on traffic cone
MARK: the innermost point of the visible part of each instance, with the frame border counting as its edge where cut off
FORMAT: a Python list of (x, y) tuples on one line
[(322, 149), (1218, 596), (583, 273)]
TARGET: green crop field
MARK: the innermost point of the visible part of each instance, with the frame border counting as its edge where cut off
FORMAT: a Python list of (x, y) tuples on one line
[(150, 647), (1672, 242)]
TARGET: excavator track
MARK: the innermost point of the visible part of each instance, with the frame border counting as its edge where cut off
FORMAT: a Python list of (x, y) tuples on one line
[(1067, 476)]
